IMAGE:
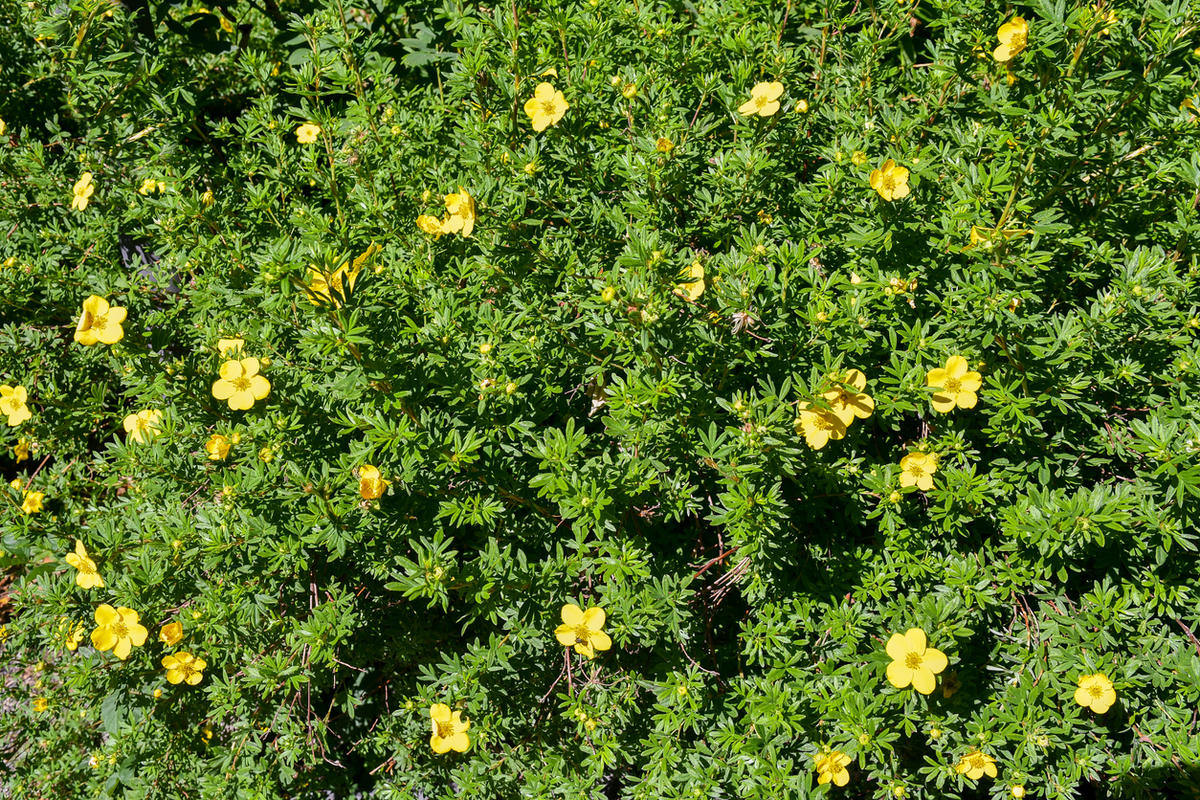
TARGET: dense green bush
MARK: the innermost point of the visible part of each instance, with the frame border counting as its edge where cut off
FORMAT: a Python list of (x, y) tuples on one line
[(613, 361)]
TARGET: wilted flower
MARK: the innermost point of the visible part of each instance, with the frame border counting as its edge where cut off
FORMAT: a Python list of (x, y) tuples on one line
[(171, 633), (371, 484), (217, 447)]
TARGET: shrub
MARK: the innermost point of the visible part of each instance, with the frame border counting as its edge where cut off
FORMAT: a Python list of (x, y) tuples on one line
[(847, 367)]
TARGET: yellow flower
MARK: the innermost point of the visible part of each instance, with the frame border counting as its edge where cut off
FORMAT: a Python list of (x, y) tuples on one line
[(144, 425), (99, 322), (916, 469), (818, 426), (1108, 18), (890, 181), (87, 577), (171, 633), (975, 765), (183, 667), (693, 284), (858, 158), (40, 704), (764, 99), (664, 145), (217, 447), (21, 449), (227, 346), (82, 191), (12, 403), (72, 633), (582, 629), (430, 224), (241, 384), (449, 730), (1095, 692), (3, 127), (308, 133), (913, 662), (117, 629), (546, 107), (831, 768), (461, 210), (802, 106), (850, 403), (1018, 791), (370, 483), (956, 385), (148, 186), (32, 502), (1013, 36)]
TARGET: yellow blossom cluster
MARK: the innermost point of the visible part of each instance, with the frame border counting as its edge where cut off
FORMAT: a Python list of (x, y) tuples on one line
[(844, 402)]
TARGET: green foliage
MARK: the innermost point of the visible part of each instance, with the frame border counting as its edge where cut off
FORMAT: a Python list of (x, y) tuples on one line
[(558, 423)]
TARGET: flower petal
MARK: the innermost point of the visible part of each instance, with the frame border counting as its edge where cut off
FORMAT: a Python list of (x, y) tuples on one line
[(897, 647), (899, 675), (916, 640), (103, 639), (943, 403), (923, 681), (106, 615), (565, 635), (593, 618), (572, 615), (934, 660)]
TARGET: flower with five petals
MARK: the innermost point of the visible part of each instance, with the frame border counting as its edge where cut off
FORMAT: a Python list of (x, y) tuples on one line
[(913, 662), (240, 384), (583, 630)]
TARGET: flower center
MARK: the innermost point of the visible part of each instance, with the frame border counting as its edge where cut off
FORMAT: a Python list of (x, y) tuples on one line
[(241, 384), (889, 182), (548, 107), (913, 660), (916, 470), (187, 670), (445, 729), (952, 385), (1095, 690), (119, 630), (581, 634), (1018, 42), (977, 762)]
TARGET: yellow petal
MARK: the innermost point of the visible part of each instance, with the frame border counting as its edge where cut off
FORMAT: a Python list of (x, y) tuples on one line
[(916, 640), (594, 618), (934, 660), (106, 615), (899, 675), (121, 648), (231, 370), (923, 681), (572, 615), (897, 647), (565, 635), (600, 640), (103, 639), (222, 390), (943, 403)]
